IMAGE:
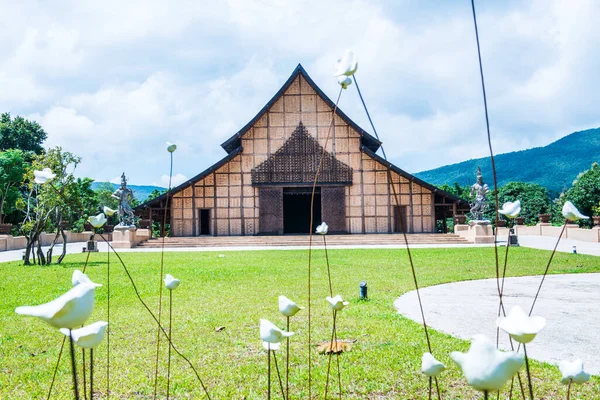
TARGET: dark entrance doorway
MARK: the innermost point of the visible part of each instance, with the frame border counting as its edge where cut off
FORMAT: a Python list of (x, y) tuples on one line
[(296, 209), (204, 215), (400, 220)]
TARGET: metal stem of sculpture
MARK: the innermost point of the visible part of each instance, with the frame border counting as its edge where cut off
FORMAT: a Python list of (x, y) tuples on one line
[(73, 366), (269, 371), (528, 372), (83, 373), (279, 376), (332, 348), (108, 320), (170, 338), (91, 374), (287, 359)]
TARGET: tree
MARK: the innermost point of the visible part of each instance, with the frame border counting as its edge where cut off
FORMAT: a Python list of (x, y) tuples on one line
[(534, 199), (19, 133), (49, 204), (12, 170), (585, 192)]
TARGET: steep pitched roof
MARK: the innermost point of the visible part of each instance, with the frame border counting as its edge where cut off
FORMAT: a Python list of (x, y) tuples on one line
[(191, 181), (366, 139), (412, 178)]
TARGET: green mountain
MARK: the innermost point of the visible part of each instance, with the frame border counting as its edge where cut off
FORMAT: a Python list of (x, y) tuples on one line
[(139, 191), (554, 166)]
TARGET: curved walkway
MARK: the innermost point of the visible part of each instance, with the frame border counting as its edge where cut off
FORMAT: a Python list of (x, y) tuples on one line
[(570, 303)]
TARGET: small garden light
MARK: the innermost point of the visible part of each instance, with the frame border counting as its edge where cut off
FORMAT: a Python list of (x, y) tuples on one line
[(574, 249), (363, 290)]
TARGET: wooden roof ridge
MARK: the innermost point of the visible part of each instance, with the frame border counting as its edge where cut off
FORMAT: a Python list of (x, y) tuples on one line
[(297, 162), (411, 177), (191, 181), (235, 141)]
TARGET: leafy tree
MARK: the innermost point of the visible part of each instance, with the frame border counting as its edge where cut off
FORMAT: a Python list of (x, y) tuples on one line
[(460, 191), (19, 133), (49, 204), (155, 193), (12, 170), (585, 192), (534, 198)]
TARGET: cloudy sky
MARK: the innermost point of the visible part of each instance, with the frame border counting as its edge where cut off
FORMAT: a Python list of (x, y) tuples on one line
[(113, 80)]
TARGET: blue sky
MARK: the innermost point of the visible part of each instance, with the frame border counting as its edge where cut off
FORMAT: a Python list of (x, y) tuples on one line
[(112, 81)]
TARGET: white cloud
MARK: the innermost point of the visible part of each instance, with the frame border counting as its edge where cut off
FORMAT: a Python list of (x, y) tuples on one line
[(113, 81), (176, 180)]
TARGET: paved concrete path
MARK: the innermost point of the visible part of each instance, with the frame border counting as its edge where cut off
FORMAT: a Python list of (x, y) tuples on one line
[(570, 303), (538, 242)]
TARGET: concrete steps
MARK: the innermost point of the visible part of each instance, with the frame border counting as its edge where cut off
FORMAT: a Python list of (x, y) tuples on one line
[(303, 240)]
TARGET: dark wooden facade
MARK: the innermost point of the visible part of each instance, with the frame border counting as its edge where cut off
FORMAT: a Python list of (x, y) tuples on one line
[(263, 185)]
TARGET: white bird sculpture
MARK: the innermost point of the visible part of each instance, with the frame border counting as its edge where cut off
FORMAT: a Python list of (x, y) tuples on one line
[(43, 176), (572, 371), (571, 213), (80, 277), (170, 282), (109, 211), (485, 367), (511, 210), (344, 81), (337, 303), (270, 333), (322, 229), (171, 147), (430, 366), (287, 307), (347, 65), (97, 221), (520, 326), (88, 337), (70, 310)]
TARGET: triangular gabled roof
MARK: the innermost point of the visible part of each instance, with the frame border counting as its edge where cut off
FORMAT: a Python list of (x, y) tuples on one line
[(297, 162), (367, 140)]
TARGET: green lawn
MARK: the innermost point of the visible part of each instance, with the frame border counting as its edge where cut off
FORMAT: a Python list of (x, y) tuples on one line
[(237, 290)]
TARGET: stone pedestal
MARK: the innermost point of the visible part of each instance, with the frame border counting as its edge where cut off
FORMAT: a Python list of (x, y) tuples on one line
[(462, 230), (480, 232), (124, 237)]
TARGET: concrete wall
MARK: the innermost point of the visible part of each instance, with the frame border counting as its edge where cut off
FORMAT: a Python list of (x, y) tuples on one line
[(8, 242), (572, 231)]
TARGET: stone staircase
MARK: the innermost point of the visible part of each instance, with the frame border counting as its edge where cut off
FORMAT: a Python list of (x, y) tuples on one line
[(303, 240)]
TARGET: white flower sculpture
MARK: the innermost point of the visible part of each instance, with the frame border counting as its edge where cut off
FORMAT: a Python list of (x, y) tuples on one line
[(344, 81), (571, 213), (511, 210), (170, 282), (322, 229), (430, 366), (97, 221), (520, 326), (108, 211), (43, 176), (171, 147), (337, 303), (287, 307), (79, 277), (347, 65), (88, 337), (70, 310), (485, 367), (572, 371), (271, 346), (270, 333)]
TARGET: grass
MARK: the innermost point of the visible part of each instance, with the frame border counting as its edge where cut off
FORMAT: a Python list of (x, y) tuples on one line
[(237, 290)]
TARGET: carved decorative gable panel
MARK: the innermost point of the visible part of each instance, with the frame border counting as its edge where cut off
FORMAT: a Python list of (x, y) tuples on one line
[(296, 162)]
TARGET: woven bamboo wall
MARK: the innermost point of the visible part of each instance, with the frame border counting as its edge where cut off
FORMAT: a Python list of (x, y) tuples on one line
[(234, 203)]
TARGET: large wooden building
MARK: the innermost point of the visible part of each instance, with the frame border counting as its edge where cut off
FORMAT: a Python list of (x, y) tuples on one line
[(263, 185)]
